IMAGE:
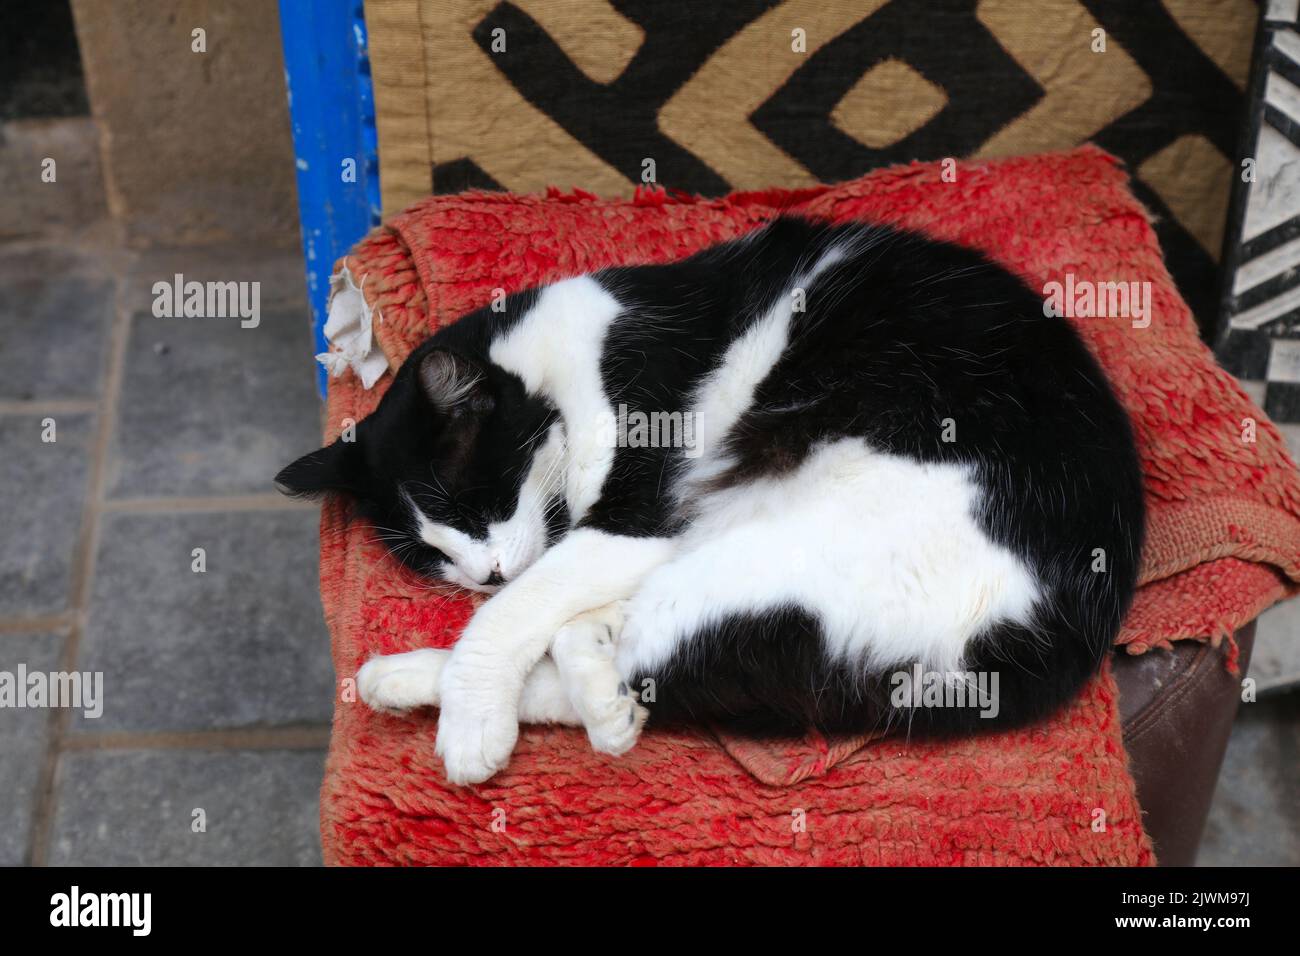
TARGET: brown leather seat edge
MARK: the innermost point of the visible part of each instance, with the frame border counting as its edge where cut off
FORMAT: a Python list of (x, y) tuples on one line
[(1177, 709)]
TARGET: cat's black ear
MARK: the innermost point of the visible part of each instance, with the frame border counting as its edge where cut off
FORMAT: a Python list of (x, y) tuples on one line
[(328, 469), (454, 384)]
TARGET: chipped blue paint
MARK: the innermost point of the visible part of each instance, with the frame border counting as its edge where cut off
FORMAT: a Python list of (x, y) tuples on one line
[(331, 105)]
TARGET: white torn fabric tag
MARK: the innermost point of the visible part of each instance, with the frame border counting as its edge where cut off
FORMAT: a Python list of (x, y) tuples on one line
[(350, 333)]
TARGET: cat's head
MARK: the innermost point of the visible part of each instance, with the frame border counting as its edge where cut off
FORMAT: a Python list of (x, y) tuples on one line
[(458, 469)]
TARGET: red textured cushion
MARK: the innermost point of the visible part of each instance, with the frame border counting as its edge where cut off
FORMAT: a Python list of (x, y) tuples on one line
[(1224, 543)]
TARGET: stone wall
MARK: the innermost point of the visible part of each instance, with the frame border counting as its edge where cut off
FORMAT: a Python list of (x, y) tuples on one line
[(195, 146)]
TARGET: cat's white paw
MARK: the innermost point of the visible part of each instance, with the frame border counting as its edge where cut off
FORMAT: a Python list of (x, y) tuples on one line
[(614, 721), (584, 652), (590, 458), (400, 682), (473, 748), (478, 726)]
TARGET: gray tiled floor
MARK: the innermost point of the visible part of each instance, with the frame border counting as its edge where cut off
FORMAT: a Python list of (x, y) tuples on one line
[(24, 736), (207, 409), (40, 531), (1276, 662), (242, 638), (1255, 817), (41, 318), (188, 808), (217, 684)]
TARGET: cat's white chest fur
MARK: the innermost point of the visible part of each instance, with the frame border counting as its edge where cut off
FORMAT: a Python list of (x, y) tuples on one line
[(555, 350)]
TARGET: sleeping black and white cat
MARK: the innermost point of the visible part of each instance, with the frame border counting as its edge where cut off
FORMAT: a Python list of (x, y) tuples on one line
[(887, 461)]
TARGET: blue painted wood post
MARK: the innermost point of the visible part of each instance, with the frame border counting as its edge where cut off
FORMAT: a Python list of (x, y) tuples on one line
[(331, 105)]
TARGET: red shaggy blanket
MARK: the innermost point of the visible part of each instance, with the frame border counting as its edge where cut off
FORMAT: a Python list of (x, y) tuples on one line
[(1224, 543)]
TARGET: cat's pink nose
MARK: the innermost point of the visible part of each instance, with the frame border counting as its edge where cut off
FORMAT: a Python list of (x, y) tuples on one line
[(495, 579)]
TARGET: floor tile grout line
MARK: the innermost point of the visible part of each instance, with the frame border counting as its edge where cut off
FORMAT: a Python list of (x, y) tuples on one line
[(308, 737), (251, 502), (42, 623), (83, 567), (36, 406)]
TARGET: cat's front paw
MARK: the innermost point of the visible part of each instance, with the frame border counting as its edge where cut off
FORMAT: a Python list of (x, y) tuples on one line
[(614, 723), (396, 683), (584, 652), (477, 729), (590, 458), (474, 749)]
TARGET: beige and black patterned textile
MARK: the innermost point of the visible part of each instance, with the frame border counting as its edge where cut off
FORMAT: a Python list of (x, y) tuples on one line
[(1261, 341), (744, 94)]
